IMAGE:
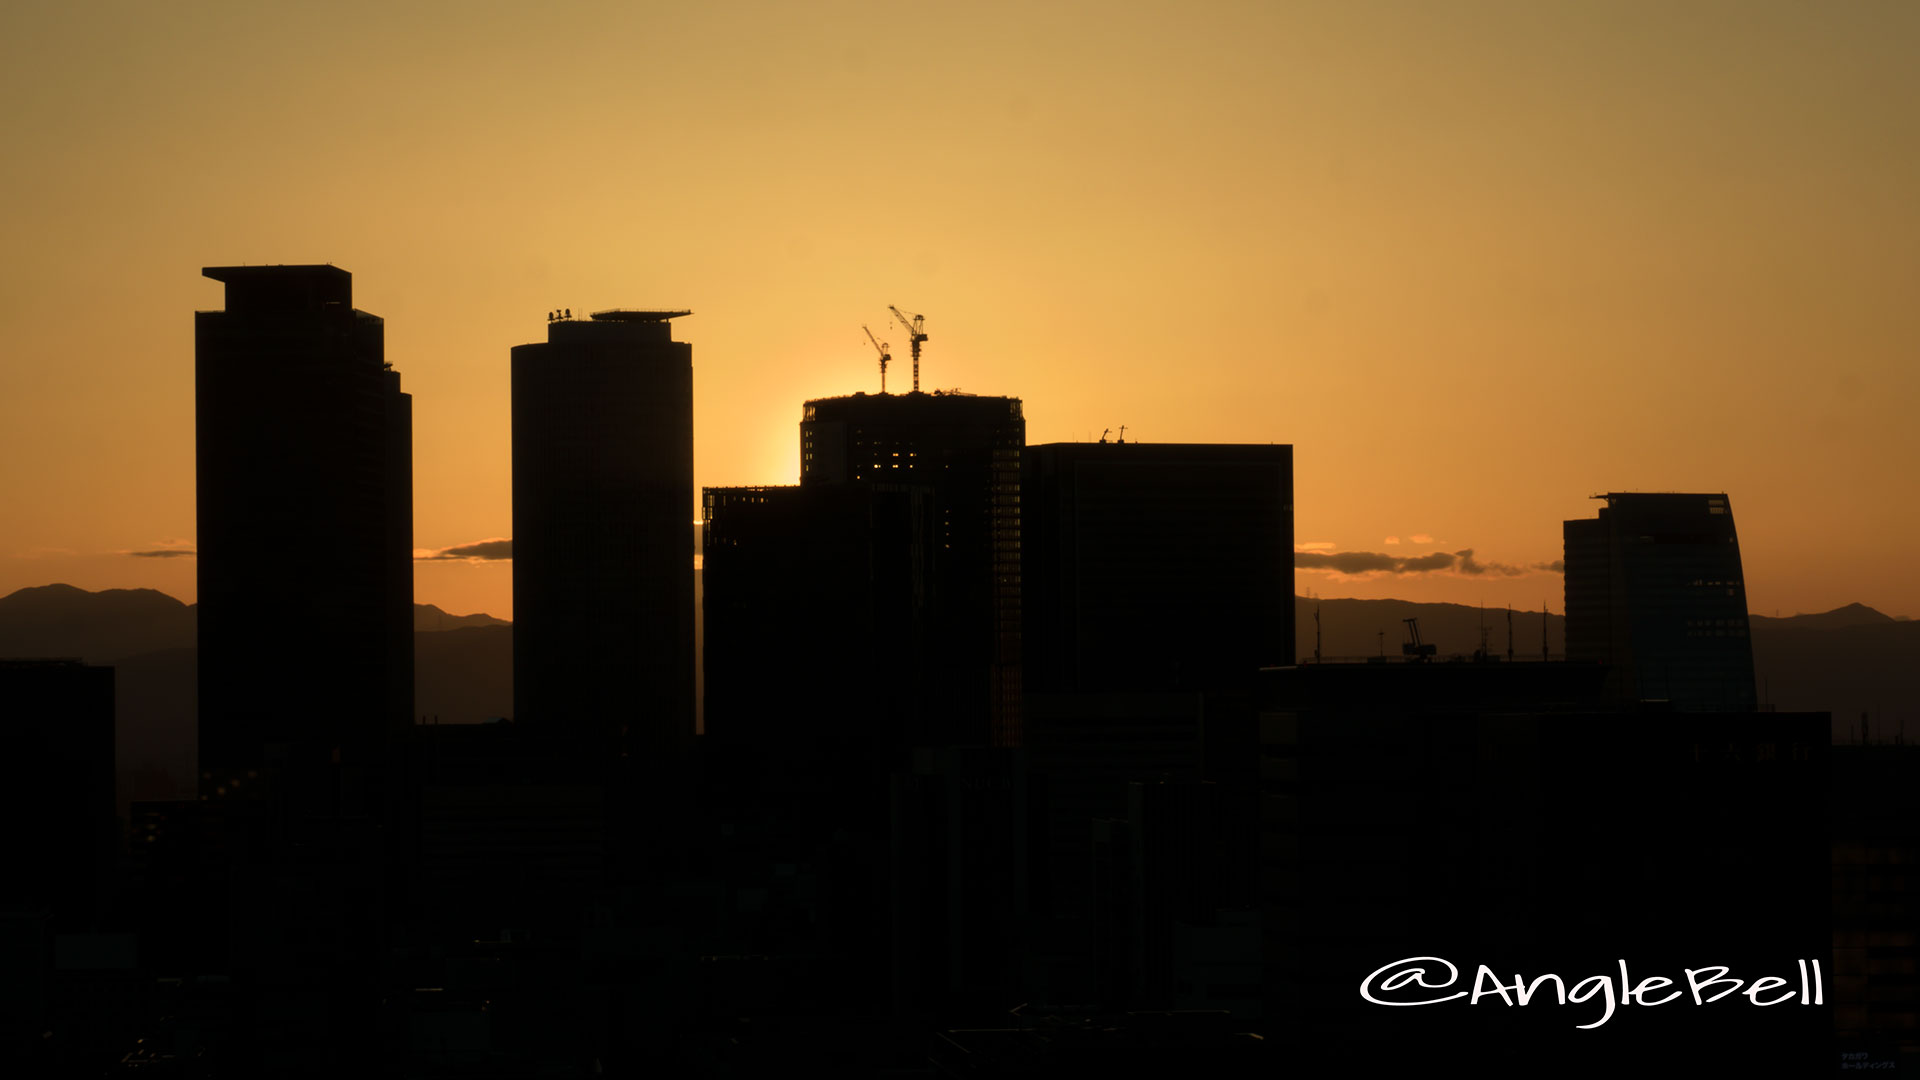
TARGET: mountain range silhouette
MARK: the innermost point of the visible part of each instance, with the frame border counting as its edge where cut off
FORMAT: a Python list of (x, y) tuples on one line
[(1850, 661)]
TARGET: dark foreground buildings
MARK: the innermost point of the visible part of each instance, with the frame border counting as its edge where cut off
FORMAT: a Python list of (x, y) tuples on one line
[(1156, 566), (603, 555), (817, 612), (1421, 815), (1655, 592), (1158, 580), (58, 757), (303, 438)]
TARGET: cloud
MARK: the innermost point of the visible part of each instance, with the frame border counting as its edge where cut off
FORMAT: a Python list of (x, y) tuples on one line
[(1392, 540), (165, 549), (1422, 538), (1316, 545), (1357, 562), (1469, 565), (489, 550), (1373, 562)]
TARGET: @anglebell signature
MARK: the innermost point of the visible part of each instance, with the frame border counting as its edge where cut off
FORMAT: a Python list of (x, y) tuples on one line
[(1413, 981)]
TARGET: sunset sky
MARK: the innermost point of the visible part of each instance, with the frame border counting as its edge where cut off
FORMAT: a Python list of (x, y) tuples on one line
[(1475, 261)]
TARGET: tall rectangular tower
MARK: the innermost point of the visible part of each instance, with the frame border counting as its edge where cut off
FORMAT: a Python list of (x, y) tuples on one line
[(1655, 592), (602, 551), (305, 482), (966, 449)]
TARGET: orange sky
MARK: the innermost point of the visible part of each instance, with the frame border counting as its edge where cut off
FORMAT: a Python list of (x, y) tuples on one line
[(1475, 261)]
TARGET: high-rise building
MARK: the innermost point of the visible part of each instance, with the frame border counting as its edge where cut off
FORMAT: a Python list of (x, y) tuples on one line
[(602, 549), (305, 483), (966, 449), (1156, 566), (1655, 592)]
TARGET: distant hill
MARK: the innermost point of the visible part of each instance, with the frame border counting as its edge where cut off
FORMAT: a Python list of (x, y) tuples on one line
[(1848, 661), (98, 627), (463, 675), (430, 618), (463, 669), (1355, 628), (1838, 619)]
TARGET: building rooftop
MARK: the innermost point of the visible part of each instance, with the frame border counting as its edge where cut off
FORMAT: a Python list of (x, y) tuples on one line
[(278, 289), (921, 407), (230, 274), (638, 315)]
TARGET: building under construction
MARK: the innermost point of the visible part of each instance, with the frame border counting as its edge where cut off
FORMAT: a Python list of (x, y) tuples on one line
[(965, 451)]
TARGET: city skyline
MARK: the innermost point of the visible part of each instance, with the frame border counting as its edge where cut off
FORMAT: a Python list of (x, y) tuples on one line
[(1475, 266), (998, 726)]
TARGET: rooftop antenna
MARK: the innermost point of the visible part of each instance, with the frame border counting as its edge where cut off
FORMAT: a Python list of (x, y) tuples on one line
[(1123, 433), (1103, 435), (913, 323), (884, 357)]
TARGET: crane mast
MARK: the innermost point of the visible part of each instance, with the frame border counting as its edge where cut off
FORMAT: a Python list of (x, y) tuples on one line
[(914, 324), (884, 357)]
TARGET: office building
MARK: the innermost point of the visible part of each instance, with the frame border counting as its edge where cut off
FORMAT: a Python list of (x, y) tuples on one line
[(305, 482), (1655, 592), (966, 450), (603, 556), (1156, 567)]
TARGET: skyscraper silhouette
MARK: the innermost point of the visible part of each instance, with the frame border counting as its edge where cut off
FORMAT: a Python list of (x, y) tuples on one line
[(603, 548), (305, 482), (966, 449), (1655, 591)]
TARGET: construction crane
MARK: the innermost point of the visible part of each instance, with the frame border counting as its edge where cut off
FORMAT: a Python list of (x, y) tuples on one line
[(884, 357), (1415, 649), (913, 323)]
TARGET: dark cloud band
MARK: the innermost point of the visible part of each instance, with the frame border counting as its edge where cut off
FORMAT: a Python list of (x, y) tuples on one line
[(480, 549), (1373, 562)]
